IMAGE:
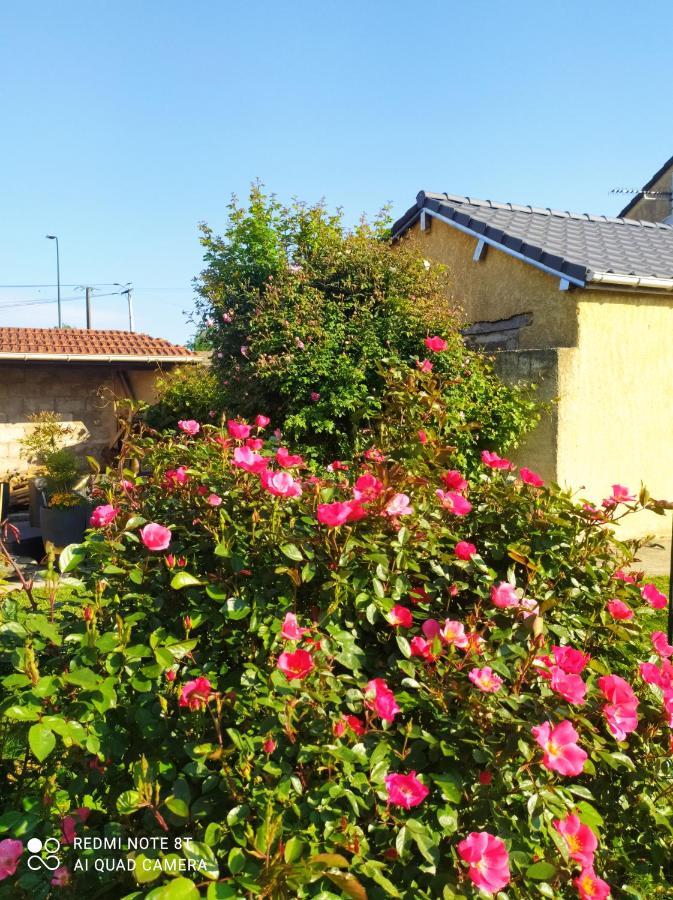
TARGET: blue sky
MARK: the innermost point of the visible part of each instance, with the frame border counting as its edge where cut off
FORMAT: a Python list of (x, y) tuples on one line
[(127, 123)]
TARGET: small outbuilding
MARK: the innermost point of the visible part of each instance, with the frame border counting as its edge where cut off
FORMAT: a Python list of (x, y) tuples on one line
[(77, 374), (582, 304)]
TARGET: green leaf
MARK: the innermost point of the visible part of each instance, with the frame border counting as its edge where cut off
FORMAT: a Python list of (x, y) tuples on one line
[(183, 580), (83, 678), (71, 556), (204, 858), (236, 860), (41, 740), (292, 552), (293, 850), (236, 608), (22, 713), (178, 807), (541, 871), (128, 802)]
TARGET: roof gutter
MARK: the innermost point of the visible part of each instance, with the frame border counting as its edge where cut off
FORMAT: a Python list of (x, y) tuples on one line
[(520, 256), (644, 282), (94, 358)]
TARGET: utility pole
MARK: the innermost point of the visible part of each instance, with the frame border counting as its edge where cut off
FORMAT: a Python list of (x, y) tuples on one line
[(128, 293), (88, 308)]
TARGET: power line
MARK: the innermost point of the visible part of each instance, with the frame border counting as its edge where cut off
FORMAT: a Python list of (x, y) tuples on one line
[(14, 304)]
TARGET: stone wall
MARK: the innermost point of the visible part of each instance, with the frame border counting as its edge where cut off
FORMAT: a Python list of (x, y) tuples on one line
[(80, 393)]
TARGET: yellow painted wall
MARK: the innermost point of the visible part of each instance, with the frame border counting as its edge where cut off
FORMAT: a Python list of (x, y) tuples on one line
[(615, 415), (500, 286)]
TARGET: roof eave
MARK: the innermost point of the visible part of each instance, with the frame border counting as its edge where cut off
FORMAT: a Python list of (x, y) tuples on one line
[(639, 282), (95, 358)]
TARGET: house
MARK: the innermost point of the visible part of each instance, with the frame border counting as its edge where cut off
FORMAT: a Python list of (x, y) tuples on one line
[(75, 373), (581, 304)]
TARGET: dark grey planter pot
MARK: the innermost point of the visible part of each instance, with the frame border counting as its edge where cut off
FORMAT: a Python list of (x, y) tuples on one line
[(64, 526)]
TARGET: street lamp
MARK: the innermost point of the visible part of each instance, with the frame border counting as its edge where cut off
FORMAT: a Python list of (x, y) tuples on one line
[(52, 237)]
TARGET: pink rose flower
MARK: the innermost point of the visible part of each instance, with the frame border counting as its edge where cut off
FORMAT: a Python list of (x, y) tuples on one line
[(10, 853), (269, 746), (355, 724), (213, 500), (570, 660), (280, 484), (288, 460), (195, 694), (367, 488), (579, 838), (246, 458), (561, 752), (335, 514), (454, 481), (103, 515), (425, 365), (291, 630), (620, 494), (504, 595), (423, 648), (176, 476), (381, 699), (262, 421), (454, 502), (485, 679), (619, 610), (400, 616), (254, 443), (530, 477), (436, 344), (405, 790), (590, 886), (238, 430), (570, 687), (422, 436), (493, 461), (315, 396), (189, 426), (398, 505), (61, 877), (453, 633), (295, 666), (654, 597), (155, 537), (488, 861), (661, 645), (465, 550), (650, 673), (620, 711)]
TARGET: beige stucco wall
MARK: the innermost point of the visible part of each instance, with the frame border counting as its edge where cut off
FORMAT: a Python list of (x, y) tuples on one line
[(499, 286), (602, 355), (82, 394)]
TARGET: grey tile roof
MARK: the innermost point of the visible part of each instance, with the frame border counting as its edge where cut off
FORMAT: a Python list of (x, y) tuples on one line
[(571, 244)]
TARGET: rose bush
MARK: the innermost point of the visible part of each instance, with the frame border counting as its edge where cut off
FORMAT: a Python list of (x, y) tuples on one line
[(381, 680)]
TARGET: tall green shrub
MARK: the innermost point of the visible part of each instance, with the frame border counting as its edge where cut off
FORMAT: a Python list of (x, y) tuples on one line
[(300, 312)]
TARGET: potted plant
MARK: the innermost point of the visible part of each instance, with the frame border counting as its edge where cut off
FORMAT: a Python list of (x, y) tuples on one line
[(64, 519), (63, 515), (47, 436)]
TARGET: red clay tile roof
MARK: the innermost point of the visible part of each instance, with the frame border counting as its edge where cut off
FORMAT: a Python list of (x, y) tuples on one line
[(82, 342)]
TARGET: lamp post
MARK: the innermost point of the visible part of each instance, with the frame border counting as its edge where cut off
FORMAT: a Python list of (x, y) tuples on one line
[(52, 237)]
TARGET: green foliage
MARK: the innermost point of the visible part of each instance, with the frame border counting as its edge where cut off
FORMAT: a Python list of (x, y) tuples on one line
[(277, 797), (300, 313), (62, 470), (47, 435), (187, 391)]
